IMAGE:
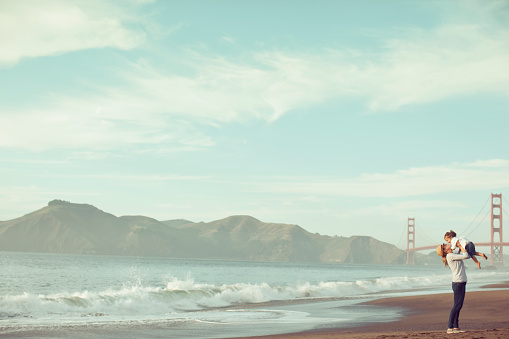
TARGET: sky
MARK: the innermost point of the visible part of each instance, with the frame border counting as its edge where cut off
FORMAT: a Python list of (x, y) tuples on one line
[(343, 117)]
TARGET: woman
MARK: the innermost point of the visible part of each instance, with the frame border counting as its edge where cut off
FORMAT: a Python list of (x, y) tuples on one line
[(459, 283)]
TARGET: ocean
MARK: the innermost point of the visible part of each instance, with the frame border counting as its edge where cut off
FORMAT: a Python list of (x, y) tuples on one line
[(76, 295)]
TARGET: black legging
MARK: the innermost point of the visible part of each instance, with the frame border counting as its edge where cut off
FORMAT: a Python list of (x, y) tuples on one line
[(459, 295)]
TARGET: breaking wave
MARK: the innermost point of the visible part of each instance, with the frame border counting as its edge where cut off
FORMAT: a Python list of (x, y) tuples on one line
[(185, 295)]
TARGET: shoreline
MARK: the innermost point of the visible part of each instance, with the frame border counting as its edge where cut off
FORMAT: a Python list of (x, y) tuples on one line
[(485, 314)]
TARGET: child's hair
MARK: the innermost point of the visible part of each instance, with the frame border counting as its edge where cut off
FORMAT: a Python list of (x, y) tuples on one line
[(451, 234)]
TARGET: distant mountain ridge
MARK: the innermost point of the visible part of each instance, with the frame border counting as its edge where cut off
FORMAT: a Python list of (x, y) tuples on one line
[(65, 227)]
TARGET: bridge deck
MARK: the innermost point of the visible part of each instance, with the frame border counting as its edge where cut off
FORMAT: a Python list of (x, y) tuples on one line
[(481, 244)]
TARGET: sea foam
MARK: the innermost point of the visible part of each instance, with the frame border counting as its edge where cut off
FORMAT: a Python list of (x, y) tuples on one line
[(186, 295), (175, 296)]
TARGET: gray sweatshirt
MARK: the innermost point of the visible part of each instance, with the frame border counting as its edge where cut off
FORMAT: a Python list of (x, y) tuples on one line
[(455, 262)]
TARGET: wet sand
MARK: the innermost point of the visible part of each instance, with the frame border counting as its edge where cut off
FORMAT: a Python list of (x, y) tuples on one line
[(485, 314)]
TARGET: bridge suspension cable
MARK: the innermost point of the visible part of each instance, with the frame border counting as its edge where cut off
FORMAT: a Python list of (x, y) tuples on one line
[(400, 243), (420, 233), (465, 231), (507, 202), (478, 224)]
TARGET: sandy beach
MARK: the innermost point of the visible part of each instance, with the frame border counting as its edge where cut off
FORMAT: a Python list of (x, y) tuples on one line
[(485, 314)]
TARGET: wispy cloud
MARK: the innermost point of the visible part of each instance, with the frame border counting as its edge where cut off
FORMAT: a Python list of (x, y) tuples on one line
[(228, 39), (75, 126), (154, 107), (35, 161), (431, 66), (401, 209), (403, 183), (418, 67), (42, 28), (129, 177)]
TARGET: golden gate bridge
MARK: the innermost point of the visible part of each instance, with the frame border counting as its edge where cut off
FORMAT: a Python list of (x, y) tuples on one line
[(496, 244)]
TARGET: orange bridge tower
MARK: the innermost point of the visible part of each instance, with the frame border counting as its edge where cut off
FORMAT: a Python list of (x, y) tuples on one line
[(496, 228), (410, 252)]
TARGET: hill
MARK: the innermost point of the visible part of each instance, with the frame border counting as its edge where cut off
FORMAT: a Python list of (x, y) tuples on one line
[(64, 227)]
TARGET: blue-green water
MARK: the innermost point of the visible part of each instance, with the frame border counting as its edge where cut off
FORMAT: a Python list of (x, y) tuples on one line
[(78, 290)]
